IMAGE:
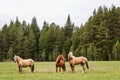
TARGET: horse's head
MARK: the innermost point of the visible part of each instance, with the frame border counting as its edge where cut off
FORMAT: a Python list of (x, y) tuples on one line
[(15, 58), (70, 56)]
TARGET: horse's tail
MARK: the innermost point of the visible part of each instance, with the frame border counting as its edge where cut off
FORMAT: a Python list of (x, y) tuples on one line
[(87, 64), (32, 68), (32, 65)]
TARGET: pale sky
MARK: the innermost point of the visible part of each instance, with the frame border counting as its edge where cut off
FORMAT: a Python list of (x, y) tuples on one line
[(50, 10)]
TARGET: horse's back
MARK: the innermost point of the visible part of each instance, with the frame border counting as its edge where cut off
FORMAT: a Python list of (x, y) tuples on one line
[(27, 62), (78, 60), (62, 62), (31, 61)]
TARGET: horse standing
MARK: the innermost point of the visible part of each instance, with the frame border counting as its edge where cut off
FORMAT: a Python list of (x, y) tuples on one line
[(77, 60), (60, 62), (24, 63)]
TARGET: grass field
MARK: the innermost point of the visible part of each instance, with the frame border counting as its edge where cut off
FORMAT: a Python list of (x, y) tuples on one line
[(99, 70)]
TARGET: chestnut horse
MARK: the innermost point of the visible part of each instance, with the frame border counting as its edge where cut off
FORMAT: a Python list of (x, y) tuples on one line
[(24, 63), (77, 60), (60, 62)]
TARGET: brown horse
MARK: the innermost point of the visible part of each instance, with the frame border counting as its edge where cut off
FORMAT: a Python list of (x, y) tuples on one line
[(24, 63), (60, 62), (77, 60)]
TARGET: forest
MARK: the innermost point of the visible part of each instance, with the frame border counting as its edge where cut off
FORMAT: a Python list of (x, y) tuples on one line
[(98, 39)]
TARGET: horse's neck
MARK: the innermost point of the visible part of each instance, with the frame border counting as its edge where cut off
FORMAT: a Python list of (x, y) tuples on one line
[(19, 59), (73, 56)]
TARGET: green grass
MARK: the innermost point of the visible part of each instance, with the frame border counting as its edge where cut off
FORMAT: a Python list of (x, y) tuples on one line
[(99, 70)]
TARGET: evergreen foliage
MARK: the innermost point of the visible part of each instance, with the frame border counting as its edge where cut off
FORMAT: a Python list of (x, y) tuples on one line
[(97, 39)]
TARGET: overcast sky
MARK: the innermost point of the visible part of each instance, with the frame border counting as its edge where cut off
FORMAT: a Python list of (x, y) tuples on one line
[(50, 10)]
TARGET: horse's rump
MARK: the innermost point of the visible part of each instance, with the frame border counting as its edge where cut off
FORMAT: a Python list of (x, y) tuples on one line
[(62, 62), (32, 61)]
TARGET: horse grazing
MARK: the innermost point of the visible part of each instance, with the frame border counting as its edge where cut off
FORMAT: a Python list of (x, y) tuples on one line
[(77, 60), (60, 62), (24, 63)]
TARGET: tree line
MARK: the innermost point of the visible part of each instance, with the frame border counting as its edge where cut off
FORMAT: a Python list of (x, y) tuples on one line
[(97, 39)]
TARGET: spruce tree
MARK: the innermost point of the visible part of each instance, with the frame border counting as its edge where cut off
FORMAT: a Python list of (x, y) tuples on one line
[(36, 31)]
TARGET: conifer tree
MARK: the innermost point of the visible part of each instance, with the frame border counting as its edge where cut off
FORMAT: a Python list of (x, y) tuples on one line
[(116, 50), (36, 31)]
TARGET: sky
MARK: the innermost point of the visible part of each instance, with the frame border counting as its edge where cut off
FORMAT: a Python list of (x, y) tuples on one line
[(50, 10)]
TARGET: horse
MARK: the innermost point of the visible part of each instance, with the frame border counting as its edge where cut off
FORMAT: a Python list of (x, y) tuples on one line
[(76, 61), (24, 63), (60, 62)]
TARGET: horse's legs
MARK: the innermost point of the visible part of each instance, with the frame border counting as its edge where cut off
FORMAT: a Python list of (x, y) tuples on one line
[(59, 69), (64, 68), (83, 67), (72, 67), (20, 68), (56, 69), (32, 68)]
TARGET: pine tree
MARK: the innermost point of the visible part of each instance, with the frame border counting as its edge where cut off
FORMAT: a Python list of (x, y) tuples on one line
[(36, 31), (4, 42), (43, 41), (17, 22), (68, 31), (68, 28), (32, 45), (24, 24)]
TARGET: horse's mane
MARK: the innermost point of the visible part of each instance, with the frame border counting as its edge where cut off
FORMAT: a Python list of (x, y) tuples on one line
[(70, 56), (18, 57)]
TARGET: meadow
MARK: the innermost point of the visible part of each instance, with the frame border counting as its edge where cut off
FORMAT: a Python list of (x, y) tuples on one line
[(99, 70)]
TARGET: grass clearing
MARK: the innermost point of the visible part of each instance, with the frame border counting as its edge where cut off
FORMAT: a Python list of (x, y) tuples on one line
[(99, 70)]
